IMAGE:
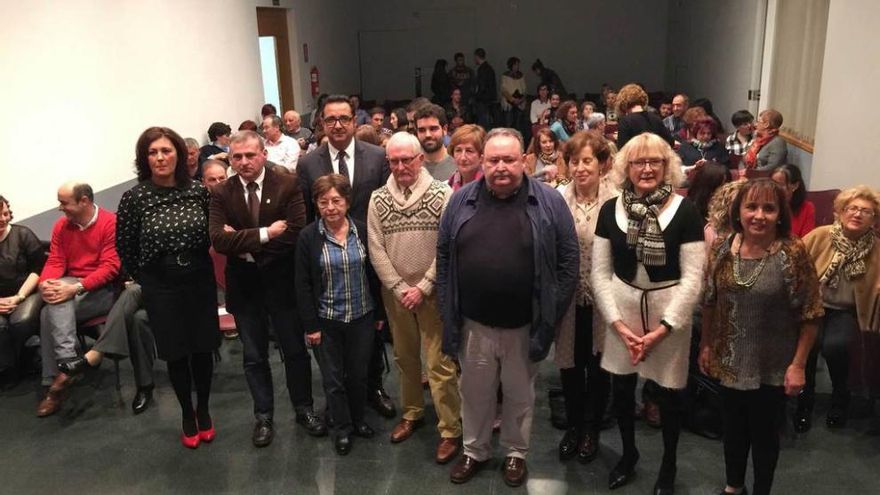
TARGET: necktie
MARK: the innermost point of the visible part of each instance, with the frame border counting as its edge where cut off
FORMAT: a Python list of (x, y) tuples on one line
[(253, 202), (343, 167)]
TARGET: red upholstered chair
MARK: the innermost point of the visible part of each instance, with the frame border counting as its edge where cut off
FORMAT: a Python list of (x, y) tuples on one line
[(824, 203), (752, 173), (227, 322)]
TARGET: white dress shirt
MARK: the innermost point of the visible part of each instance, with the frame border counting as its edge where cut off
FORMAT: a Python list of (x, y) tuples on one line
[(349, 159), (285, 152)]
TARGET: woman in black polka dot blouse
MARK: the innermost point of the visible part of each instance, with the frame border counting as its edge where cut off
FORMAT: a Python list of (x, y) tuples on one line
[(162, 240)]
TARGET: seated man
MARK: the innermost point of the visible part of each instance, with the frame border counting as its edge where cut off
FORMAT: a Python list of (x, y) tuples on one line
[(293, 127), (213, 172), (76, 285), (281, 149)]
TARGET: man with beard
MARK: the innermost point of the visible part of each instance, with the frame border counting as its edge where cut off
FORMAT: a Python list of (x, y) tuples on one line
[(431, 127)]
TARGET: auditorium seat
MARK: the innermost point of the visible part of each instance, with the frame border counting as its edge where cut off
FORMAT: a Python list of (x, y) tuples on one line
[(824, 203)]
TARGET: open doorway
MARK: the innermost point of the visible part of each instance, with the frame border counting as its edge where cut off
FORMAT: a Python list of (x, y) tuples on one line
[(275, 57)]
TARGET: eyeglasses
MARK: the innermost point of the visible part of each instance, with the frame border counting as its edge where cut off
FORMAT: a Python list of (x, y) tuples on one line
[(337, 202), (853, 209), (342, 119), (654, 163), (401, 161)]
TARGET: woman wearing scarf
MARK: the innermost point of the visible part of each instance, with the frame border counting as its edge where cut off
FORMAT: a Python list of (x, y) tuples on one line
[(544, 160), (648, 255), (702, 146), (847, 259), (566, 121), (767, 150)]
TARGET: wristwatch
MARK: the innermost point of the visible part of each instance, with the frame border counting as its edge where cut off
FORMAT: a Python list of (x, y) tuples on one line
[(80, 289), (667, 325)]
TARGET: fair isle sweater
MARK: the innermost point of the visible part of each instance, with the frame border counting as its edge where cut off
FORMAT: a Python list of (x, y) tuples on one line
[(402, 233)]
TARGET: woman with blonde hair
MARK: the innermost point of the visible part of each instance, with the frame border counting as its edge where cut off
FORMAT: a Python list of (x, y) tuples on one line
[(846, 255), (648, 255)]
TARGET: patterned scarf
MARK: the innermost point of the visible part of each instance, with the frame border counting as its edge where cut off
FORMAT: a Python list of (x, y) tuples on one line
[(849, 256), (751, 158), (643, 229), (703, 145), (549, 158)]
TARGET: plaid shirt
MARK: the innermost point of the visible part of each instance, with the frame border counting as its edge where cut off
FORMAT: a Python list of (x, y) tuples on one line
[(346, 293), (734, 146)]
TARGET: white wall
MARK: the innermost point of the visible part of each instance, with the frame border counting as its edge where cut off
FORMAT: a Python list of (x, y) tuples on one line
[(847, 147), (715, 52), (82, 79), (587, 42)]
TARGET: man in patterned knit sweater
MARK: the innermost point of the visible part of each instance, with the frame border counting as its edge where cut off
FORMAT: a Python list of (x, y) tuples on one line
[(402, 223)]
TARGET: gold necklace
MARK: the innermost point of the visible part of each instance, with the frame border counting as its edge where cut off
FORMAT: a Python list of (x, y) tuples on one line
[(753, 277)]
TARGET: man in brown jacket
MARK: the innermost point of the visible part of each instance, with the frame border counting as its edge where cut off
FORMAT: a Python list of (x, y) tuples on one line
[(255, 219)]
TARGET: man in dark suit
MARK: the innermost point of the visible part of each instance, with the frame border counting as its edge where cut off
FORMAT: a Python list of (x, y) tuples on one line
[(255, 219), (365, 166)]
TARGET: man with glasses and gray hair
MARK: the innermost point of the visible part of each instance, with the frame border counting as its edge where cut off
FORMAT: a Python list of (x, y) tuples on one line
[(402, 223), (507, 265)]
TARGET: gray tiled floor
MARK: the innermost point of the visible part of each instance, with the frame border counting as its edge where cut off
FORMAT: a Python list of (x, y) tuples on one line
[(95, 445)]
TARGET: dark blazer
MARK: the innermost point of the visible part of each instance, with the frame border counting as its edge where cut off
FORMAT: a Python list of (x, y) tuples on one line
[(310, 278), (272, 274), (371, 173)]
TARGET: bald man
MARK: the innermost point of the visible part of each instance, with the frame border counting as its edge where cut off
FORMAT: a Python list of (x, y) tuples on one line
[(76, 285), (294, 128)]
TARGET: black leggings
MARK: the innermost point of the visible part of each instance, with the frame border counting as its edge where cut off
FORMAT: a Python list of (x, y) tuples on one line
[(585, 401), (671, 410), (835, 337), (197, 369), (751, 421)]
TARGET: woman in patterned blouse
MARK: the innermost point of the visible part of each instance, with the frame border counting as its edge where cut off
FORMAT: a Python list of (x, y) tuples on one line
[(162, 240), (760, 317)]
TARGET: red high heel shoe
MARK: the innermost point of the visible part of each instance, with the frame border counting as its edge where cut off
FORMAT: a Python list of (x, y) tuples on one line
[(208, 435), (190, 442)]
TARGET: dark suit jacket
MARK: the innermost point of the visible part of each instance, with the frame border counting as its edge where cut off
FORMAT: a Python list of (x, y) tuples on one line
[(310, 280), (371, 173), (271, 277)]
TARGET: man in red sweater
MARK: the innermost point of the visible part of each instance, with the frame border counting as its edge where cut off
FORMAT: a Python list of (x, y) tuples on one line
[(76, 283)]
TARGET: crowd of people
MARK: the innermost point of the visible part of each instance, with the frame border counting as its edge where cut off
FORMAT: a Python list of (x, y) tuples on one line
[(474, 251)]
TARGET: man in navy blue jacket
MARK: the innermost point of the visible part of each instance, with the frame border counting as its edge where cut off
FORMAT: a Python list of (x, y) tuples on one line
[(507, 265)]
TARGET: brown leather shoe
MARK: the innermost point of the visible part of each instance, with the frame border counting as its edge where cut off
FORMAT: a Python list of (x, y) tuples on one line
[(51, 403), (515, 471), (465, 469), (447, 449), (405, 429)]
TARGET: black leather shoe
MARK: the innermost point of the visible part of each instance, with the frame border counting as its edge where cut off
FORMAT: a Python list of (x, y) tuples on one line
[(263, 433), (342, 444), (142, 400), (588, 448), (313, 424), (75, 366), (659, 490), (381, 402), (836, 417), (568, 445), (802, 420), (622, 473), (363, 430), (665, 484)]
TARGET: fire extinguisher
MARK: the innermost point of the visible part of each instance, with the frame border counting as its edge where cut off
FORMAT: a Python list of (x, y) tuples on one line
[(315, 76)]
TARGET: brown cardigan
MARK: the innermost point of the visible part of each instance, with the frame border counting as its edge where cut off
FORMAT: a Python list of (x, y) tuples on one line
[(867, 288), (532, 160)]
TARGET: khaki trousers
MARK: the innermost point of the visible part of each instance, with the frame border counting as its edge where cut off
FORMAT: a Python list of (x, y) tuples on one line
[(489, 355), (412, 331)]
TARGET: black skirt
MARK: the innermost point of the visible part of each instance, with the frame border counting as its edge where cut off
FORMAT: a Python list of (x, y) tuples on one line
[(180, 296)]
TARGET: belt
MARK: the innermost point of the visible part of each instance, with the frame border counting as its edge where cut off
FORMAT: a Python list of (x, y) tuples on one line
[(643, 301)]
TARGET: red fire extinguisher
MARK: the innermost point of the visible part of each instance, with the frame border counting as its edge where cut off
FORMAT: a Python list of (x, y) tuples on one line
[(315, 76)]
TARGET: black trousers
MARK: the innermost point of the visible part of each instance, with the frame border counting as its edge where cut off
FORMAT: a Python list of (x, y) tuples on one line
[(376, 366), (343, 357), (252, 318), (835, 337), (585, 401), (751, 421)]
